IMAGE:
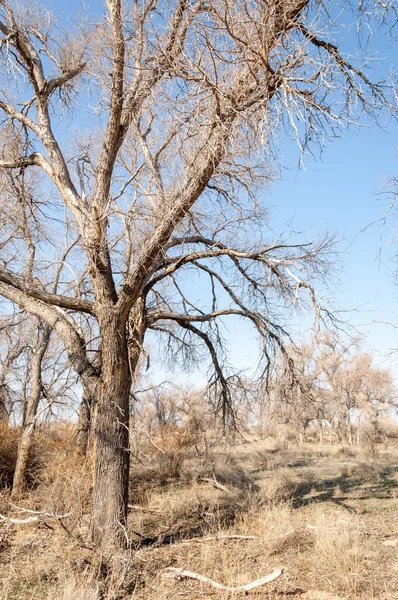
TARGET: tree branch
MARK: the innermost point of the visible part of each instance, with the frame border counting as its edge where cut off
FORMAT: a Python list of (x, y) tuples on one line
[(41, 294), (63, 324)]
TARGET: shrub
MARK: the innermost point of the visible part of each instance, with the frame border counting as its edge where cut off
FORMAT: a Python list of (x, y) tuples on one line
[(9, 438)]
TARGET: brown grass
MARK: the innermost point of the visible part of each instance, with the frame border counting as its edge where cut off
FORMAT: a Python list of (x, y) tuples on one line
[(324, 515)]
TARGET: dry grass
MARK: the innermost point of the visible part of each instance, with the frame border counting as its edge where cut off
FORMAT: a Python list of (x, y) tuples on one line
[(328, 515)]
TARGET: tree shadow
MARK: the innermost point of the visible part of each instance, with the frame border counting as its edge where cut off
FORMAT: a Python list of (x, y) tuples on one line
[(375, 484), (205, 520)]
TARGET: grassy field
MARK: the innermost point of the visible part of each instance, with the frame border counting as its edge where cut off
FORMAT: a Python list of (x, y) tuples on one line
[(327, 515)]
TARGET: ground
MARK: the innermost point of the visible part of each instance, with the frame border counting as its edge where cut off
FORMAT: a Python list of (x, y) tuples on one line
[(327, 515)]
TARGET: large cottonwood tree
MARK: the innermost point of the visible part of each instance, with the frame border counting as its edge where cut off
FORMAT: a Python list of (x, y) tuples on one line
[(144, 139)]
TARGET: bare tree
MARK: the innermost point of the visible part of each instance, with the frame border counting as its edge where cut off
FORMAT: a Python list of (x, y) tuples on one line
[(30, 412), (298, 401), (32, 370), (370, 390), (187, 100), (13, 345), (336, 386)]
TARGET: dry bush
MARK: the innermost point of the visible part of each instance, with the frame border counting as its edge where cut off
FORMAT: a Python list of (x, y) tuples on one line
[(161, 454), (176, 513), (40, 456), (228, 471), (282, 433), (176, 444), (59, 478), (66, 481), (271, 520), (9, 438), (388, 428), (278, 488), (368, 472), (346, 451), (58, 563), (270, 460), (312, 434)]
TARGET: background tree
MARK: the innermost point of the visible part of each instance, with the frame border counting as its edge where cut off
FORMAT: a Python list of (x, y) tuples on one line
[(30, 411), (160, 180), (33, 369), (338, 388), (13, 344)]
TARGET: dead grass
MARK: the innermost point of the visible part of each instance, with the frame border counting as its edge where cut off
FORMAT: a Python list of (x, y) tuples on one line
[(328, 515)]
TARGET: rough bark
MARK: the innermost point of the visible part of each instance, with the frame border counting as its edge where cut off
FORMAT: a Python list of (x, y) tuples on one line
[(112, 456), (84, 423), (25, 444), (3, 410)]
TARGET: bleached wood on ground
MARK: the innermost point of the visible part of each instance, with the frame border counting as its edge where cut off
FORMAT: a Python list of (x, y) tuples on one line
[(36, 516), (144, 509), (182, 574), (221, 537), (217, 484), (18, 521)]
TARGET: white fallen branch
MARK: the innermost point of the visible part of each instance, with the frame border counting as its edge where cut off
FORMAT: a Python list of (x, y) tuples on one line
[(216, 484), (19, 521), (220, 537), (145, 509), (37, 514), (182, 574)]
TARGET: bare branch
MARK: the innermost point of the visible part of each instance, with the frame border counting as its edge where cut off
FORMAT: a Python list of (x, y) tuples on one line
[(41, 294)]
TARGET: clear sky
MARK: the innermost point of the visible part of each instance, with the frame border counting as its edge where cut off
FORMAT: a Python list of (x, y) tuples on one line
[(339, 192), (343, 192)]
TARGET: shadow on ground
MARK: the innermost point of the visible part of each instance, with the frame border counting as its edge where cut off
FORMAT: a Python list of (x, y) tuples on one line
[(361, 483)]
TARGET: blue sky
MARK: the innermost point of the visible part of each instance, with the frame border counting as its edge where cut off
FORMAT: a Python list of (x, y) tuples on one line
[(345, 192), (338, 192)]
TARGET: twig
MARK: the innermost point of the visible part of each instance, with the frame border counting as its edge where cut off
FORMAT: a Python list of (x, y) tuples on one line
[(143, 509), (181, 574), (150, 440), (216, 484)]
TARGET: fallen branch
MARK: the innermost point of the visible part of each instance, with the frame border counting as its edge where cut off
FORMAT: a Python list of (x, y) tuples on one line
[(216, 484), (221, 537), (37, 514), (19, 521), (181, 574), (144, 509)]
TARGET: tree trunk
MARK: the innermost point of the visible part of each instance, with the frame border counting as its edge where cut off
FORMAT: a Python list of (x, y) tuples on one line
[(374, 423), (111, 435), (4, 416), (321, 435), (84, 423), (349, 433), (25, 444)]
